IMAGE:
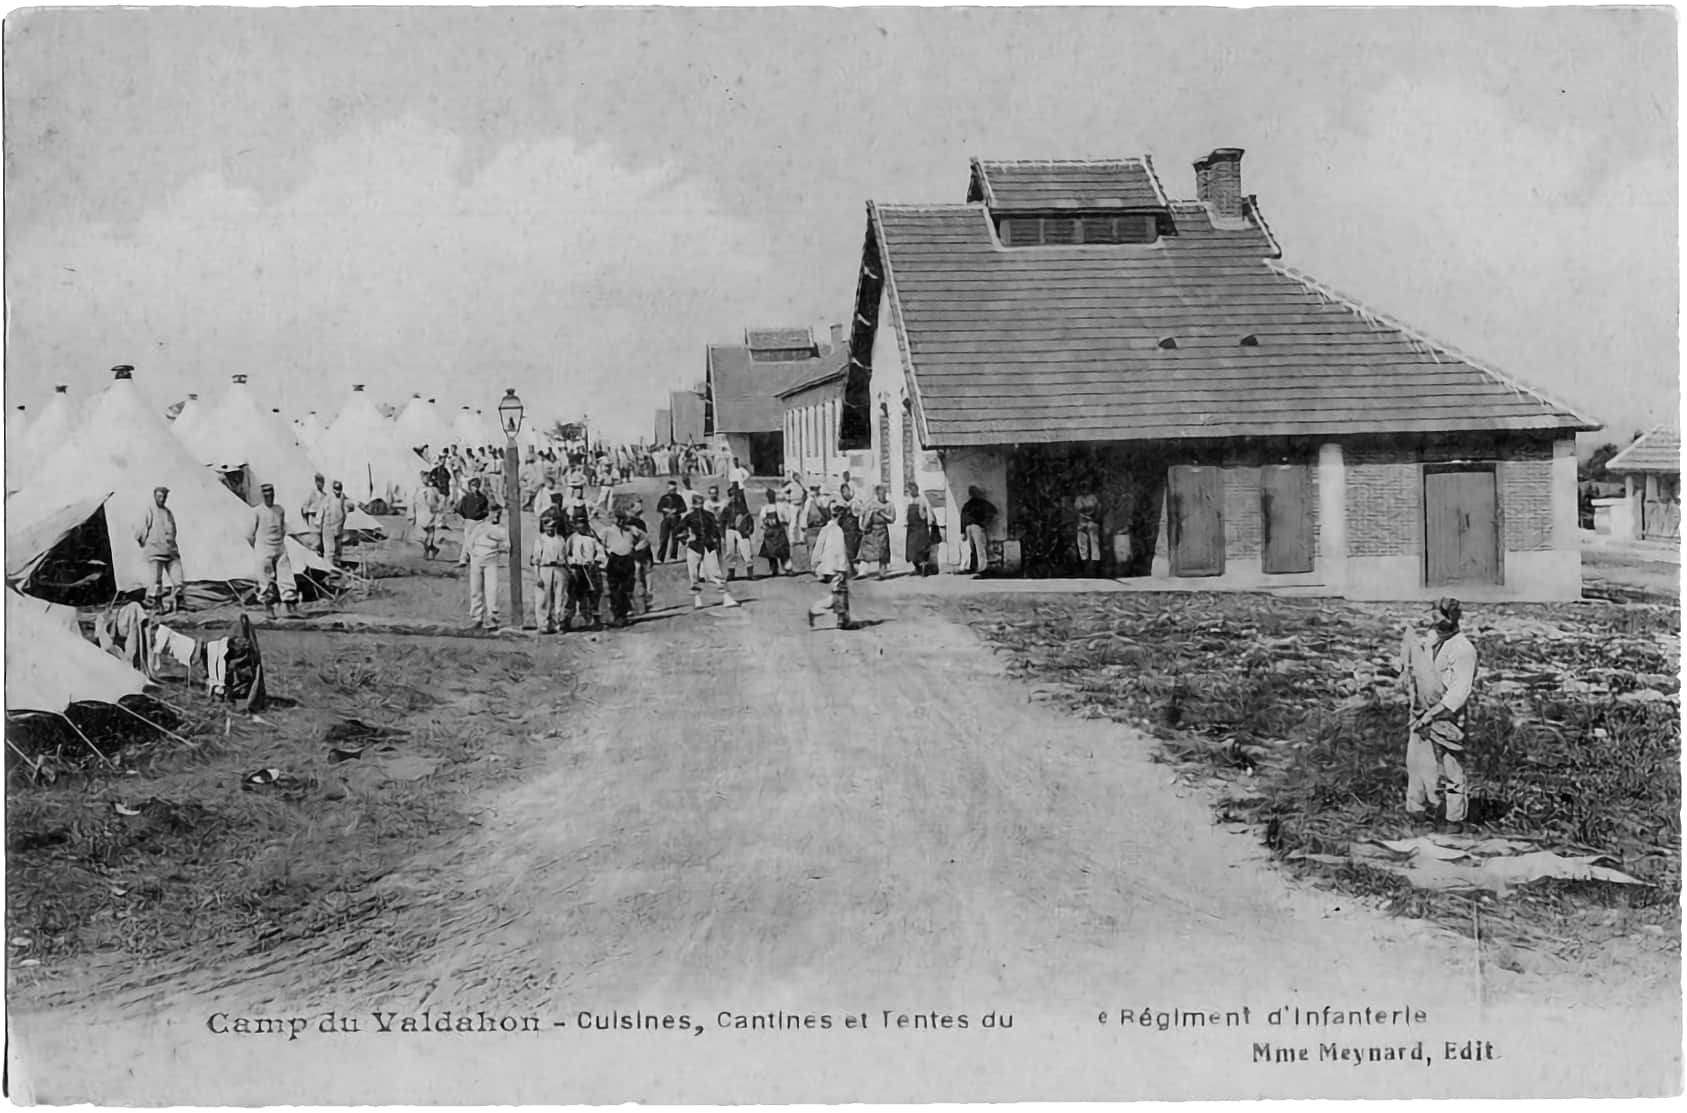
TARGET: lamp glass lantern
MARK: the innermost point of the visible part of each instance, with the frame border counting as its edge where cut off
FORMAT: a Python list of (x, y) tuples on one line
[(510, 411)]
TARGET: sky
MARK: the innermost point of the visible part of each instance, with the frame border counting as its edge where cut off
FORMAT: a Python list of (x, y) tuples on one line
[(575, 202)]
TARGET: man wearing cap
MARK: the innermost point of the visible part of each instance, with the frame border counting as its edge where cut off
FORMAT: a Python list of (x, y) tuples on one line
[(424, 511), (832, 566), (621, 542), (473, 508), (671, 506), (487, 551), (586, 559), (702, 552), (157, 539), (575, 505), (336, 508), (311, 512), (1439, 673), (268, 537), (549, 559)]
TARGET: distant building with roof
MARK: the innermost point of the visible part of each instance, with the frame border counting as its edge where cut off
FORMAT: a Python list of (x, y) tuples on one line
[(743, 415), (813, 406), (1071, 329), (685, 417), (1651, 472)]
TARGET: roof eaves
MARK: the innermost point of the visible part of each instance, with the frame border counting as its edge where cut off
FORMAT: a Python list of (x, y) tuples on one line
[(1153, 177), (1436, 348), (906, 348), (984, 182), (1621, 459), (821, 379), (1259, 218)]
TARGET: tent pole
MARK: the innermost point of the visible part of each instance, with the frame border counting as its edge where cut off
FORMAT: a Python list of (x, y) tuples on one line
[(33, 763), (86, 739), (154, 726)]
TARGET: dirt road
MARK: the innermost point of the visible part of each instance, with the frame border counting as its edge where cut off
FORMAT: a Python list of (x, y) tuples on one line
[(749, 817)]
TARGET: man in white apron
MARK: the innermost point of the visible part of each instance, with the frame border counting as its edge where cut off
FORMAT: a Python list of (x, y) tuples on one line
[(1439, 672)]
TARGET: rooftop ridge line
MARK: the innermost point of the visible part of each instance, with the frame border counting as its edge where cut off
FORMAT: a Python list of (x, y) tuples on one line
[(1124, 160)]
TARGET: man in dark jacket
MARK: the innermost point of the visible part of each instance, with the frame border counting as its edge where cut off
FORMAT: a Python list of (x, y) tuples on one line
[(976, 515), (702, 552), (472, 508), (672, 508)]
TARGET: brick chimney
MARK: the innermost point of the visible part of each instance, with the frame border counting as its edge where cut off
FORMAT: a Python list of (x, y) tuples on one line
[(837, 336), (1224, 182), (1203, 179)]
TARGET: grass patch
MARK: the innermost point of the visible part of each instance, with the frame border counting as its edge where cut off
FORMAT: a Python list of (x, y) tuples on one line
[(166, 859), (1292, 710)]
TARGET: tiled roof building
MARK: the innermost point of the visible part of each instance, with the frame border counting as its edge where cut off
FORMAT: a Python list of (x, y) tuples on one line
[(1070, 325)]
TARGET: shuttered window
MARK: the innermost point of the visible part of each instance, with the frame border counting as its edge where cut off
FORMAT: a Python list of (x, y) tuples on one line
[(1096, 228), (1060, 229)]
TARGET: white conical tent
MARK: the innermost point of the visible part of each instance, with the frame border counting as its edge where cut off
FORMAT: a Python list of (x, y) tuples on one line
[(49, 667), (473, 431), (421, 424), (190, 424), (308, 431), (367, 453), (248, 435), (58, 419), (17, 422), (125, 447)]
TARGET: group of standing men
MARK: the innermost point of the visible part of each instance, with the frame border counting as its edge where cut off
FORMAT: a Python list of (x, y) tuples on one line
[(325, 515), (575, 562)]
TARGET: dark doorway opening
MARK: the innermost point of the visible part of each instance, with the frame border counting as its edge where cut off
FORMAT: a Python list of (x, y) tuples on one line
[(1044, 483), (767, 453)]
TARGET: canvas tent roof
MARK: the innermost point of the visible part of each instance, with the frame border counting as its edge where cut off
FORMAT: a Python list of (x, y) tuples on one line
[(62, 556), (308, 431), (195, 427), (17, 424), (241, 432), (125, 447), (421, 424), (50, 667), (58, 419), (473, 430), (368, 453)]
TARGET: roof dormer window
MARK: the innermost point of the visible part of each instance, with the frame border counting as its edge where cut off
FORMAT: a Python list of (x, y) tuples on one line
[(1168, 342), (1082, 229), (1249, 341)]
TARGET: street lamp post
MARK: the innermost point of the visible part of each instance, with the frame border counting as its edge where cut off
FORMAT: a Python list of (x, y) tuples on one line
[(510, 411)]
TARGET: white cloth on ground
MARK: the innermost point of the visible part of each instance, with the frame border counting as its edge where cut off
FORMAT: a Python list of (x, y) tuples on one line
[(216, 665)]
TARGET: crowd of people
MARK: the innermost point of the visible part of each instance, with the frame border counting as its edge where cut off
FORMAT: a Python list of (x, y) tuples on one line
[(593, 554)]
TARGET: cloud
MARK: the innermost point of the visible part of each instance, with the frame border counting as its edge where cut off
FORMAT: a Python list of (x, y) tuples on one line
[(553, 268)]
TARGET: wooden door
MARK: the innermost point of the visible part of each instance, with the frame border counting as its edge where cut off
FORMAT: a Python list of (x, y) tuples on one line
[(1285, 518), (1195, 521), (1461, 527)]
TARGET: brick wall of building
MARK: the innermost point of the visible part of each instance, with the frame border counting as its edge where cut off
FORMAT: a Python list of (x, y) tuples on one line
[(1384, 501), (1526, 496), (1241, 508), (1244, 511), (1385, 493)]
